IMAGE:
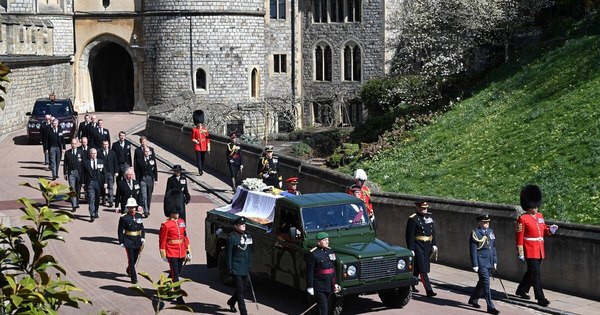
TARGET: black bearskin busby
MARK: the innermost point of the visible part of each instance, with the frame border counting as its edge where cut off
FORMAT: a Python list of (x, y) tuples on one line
[(531, 197), (174, 202), (198, 116)]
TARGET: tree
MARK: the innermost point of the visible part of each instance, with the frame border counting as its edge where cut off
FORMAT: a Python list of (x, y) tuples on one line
[(4, 71), (28, 286)]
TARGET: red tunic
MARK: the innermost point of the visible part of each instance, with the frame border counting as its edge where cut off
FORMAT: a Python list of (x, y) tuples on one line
[(172, 239), (200, 134), (365, 196), (531, 229)]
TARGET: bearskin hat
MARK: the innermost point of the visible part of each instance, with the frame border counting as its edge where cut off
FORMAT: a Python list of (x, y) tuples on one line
[(174, 202), (198, 116), (531, 197)]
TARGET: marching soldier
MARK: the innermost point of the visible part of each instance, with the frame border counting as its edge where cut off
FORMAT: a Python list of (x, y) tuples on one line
[(132, 236), (179, 182), (95, 175), (482, 247), (531, 229), (201, 139), (320, 273), (420, 238), (127, 188), (173, 241), (73, 171), (146, 171), (239, 260), (268, 168), (360, 177), (233, 154), (292, 186), (122, 149)]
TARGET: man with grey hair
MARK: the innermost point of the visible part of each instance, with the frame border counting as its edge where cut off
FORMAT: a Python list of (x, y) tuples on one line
[(95, 174), (127, 188)]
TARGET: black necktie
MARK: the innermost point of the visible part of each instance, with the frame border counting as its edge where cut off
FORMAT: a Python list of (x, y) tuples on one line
[(94, 165)]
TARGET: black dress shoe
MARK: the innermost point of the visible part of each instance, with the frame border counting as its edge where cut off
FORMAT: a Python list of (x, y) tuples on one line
[(134, 281), (127, 271), (543, 302), (96, 216), (414, 289), (431, 294), (200, 172), (523, 295), (92, 219), (74, 209), (180, 300), (474, 304), (493, 311), (110, 204), (232, 308)]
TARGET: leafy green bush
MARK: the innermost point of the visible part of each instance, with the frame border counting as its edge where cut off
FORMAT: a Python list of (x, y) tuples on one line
[(301, 150), (345, 154), (388, 95), (324, 143)]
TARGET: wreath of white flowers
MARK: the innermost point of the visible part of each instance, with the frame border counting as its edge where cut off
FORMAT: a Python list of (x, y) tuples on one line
[(254, 184)]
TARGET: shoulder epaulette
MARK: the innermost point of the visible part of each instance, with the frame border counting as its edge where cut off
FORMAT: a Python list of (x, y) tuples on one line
[(313, 249), (123, 214), (412, 215)]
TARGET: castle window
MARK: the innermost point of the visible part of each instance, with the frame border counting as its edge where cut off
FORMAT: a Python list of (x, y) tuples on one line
[(320, 11), (277, 9), (33, 35), (201, 79), (353, 9), (352, 62), (331, 11), (254, 83), (105, 3), (323, 62), (279, 63)]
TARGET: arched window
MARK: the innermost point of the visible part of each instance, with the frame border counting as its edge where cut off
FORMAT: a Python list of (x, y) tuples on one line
[(323, 64), (352, 62), (201, 79), (254, 83)]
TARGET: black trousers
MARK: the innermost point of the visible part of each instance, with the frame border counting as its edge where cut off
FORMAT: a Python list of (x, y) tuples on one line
[(424, 279), (238, 294), (483, 287), (533, 277), (322, 299), (132, 257), (200, 156), (175, 265)]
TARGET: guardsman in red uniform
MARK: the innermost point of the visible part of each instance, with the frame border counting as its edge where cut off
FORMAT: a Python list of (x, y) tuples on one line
[(201, 139), (365, 193), (420, 238), (173, 241), (320, 272), (531, 229)]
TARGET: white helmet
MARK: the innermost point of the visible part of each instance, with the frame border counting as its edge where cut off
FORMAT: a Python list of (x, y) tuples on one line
[(360, 174), (131, 203)]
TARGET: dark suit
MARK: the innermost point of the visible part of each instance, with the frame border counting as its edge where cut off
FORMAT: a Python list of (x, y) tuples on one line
[(73, 170), (483, 255), (239, 261), (43, 130), (125, 192), (123, 156), (320, 275), (82, 130), (147, 173), (98, 137), (96, 178), (55, 143), (420, 238), (131, 233), (139, 153), (181, 185), (110, 163)]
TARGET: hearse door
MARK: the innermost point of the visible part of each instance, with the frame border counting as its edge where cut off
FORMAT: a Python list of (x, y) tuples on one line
[(288, 265)]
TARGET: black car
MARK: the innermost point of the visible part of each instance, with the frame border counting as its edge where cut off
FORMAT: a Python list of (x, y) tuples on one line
[(61, 109)]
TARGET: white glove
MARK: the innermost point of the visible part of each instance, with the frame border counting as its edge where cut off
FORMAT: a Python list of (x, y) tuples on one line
[(188, 257), (280, 183), (241, 167), (266, 175), (495, 266), (143, 240), (475, 269), (310, 291), (435, 249), (337, 287), (522, 258), (165, 259), (553, 228), (123, 245)]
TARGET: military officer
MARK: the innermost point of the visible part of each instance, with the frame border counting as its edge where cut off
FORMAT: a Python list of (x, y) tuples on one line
[(132, 236), (179, 182), (73, 171), (233, 154), (420, 238), (127, 188), (360, 177), (268, 168), (239, 261), (292, 186), (531, 230), (174, 245), (320, 273), (482, 248)]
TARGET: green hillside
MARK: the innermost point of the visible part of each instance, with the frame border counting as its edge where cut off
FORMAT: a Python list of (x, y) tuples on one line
[(537, 124)]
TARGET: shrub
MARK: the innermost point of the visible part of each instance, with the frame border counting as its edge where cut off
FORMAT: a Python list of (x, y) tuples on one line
[(301, 150)]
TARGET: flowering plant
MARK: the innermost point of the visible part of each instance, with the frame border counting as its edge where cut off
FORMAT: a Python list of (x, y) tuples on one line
[(254, 184)]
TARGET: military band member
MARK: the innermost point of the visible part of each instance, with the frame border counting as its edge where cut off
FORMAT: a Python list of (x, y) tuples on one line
[(239, 261), (320, 273), (531, 230), (482, 248), (201, 139), (420, 238), (179, 182), (122, 149), (127, 188), (233, 154), (95, 175), (360, 177), (173, 241), (268, 168), (73, 171), (146, 171), (132, 236)]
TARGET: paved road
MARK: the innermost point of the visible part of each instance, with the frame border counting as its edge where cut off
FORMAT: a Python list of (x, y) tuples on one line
[(94, 261)]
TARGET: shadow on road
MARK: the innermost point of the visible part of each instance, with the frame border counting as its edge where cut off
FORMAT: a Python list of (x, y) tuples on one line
[(124, 290), (22, 140), (207, 308), (39, 168), (35, 176), (105, 275), (100, 239), (31, 162)]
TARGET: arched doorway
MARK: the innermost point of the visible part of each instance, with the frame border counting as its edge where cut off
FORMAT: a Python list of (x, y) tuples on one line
[(111, 74)]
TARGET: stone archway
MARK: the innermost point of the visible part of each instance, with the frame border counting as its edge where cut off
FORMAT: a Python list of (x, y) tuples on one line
[(112, 77)]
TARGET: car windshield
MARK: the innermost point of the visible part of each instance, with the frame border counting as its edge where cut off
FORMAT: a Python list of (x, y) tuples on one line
[(58, 108), (335, 216)]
